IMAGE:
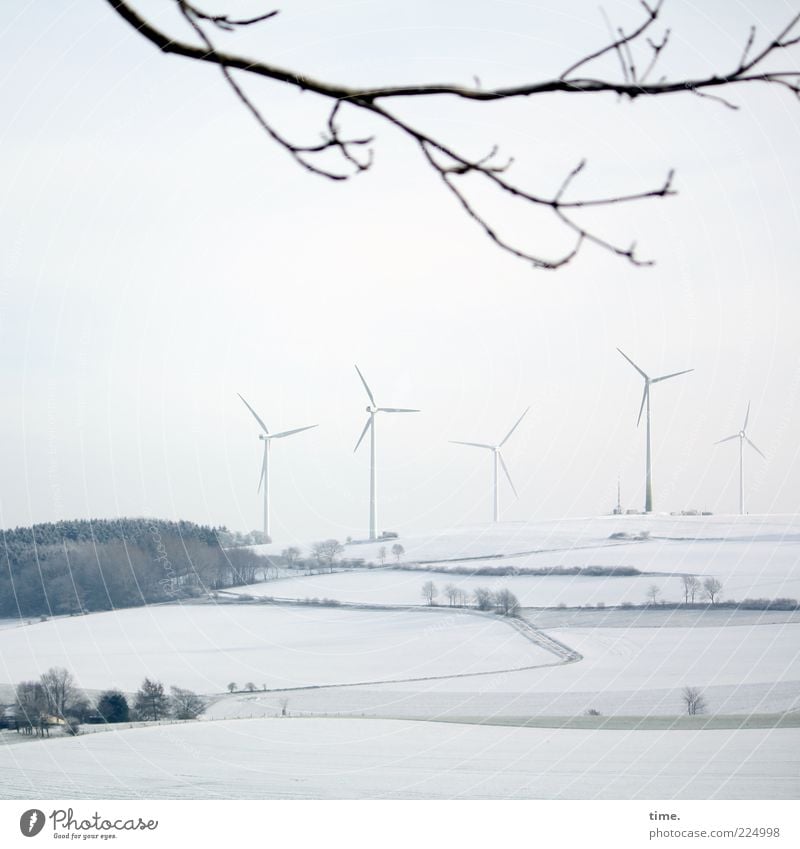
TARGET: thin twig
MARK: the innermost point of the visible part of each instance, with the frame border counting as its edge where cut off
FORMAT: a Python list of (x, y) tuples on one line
[(445, 159)]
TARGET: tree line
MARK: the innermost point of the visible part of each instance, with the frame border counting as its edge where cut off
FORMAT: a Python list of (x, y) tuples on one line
[(501, 601), (54, 700), (73, 567)]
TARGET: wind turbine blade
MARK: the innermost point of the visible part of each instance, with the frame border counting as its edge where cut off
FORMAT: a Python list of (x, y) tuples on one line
[(727, 439), (746, 417), (263, 469), (473, 444), (395, 410), (508, 476), (514, 428), (369, 392), (290, 432), (668, 376), (363, 433), (255, 414), (644, 398), (633, 364), (753, 445)]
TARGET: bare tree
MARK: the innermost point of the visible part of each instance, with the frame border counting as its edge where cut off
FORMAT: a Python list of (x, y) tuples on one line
[(327, 551), (653, 593), (694, 700), (429, 592), (290, 556), (691, 587), (186, 704), (59, 688), (232, 687), (250, 687), (452, 593), (31, 705), (484, 599), (284, 704), (712, 589), (398, 551), (382, 555), (506, 603), (638, 49)]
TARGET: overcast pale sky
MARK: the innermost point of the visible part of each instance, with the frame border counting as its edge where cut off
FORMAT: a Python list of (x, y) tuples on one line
[(159, 255)]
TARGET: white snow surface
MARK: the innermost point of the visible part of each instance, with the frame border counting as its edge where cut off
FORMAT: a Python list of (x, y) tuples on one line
[(393, 586), (292, 758), (639, 671), (204, 647), (753, 556), (574, 534)]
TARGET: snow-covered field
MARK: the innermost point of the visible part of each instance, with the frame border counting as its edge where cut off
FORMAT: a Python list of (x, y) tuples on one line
[(753, 556), (368, 758), (394, 586), (585, 533), (206, 647), (361, 743), (640, 671)]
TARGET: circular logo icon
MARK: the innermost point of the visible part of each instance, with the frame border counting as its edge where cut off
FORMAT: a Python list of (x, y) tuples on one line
[(31, 822)]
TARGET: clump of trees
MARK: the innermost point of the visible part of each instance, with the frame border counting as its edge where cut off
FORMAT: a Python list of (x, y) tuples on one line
[(186, 704), (502, 601), (326, 552), (113, 706), (456, 597), (769, 604), (323, 555), (236, 539), (691, 587), (54, 700), (506, 603), (72, 567), (151, 701)]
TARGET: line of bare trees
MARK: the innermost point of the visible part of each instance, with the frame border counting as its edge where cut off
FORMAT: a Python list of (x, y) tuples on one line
[(501, 601), (327, 554), (710, 589)]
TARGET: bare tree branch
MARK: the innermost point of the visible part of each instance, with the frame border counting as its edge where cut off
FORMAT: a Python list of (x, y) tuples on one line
[(356, 154)]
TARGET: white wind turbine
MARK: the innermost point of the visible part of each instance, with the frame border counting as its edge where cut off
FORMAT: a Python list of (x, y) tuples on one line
[(267, 438), (497, 459), (742, 437), (648, 381), (373, 409)]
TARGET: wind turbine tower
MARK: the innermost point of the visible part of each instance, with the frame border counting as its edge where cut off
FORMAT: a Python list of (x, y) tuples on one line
[(497, 460), (267, 438), (742, 437), (648, 382), (372, 410)]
